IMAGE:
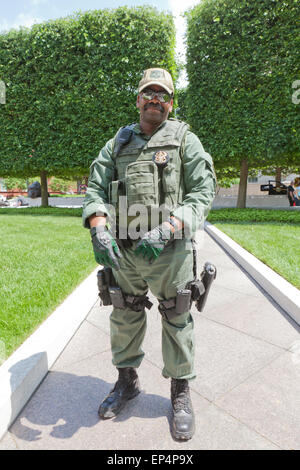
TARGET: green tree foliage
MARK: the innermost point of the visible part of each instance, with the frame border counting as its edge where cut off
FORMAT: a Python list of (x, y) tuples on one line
[(72, 82), (182, 110), (226, 176), (242, 59)]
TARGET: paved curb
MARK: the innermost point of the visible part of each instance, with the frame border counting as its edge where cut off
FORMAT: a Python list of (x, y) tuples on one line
[(24, 370), (284, 293)]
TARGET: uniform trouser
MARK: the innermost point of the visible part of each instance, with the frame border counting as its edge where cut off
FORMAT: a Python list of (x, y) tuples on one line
[(171, 271)]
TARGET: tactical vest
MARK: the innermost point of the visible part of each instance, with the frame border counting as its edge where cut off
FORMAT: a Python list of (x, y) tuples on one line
[(142, 180)]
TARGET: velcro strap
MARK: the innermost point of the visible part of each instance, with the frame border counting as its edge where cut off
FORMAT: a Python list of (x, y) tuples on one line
[(167, 304), (167, 308), (138, 302), (148, 304), (197, 289)]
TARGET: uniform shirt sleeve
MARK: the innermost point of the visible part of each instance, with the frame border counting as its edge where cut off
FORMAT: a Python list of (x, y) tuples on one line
[(200, 185), (101, 174)]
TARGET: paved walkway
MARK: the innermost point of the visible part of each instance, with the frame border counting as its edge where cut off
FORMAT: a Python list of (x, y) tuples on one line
[(220, 201), (246, 394)]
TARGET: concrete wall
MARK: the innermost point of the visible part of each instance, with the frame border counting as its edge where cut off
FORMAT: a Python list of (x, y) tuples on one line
[(262, 179), (223, 201), (280, 201)]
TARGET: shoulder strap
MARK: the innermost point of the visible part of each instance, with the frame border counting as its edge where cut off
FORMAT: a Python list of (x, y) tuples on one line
[(181, 135), (183, 142), (122, 138)]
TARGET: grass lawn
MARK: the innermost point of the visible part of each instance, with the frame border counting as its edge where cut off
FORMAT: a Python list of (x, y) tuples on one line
[(45, 254), (276, 244)]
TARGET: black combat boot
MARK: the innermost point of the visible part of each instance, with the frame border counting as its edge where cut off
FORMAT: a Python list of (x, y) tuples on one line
[(126, 388), (183, 424)]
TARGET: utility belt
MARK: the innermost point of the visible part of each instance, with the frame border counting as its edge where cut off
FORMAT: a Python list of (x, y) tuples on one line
[(111, 294), (196, 291)]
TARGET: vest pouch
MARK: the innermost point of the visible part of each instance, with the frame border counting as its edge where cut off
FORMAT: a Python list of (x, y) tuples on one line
[(170, 185), (169, 179), (116, 189), (141, 180)]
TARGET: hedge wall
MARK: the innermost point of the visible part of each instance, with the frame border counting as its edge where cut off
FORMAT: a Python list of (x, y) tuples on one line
[(242, 58), (72, 82)]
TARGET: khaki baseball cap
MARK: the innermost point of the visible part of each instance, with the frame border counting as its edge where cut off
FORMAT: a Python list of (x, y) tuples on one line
[(157, 77)]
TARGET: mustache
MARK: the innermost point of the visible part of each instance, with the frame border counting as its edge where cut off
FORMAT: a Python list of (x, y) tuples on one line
[(153, 105)]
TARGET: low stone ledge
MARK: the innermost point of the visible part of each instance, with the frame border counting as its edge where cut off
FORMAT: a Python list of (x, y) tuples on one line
[(283, 292), (24, 370)]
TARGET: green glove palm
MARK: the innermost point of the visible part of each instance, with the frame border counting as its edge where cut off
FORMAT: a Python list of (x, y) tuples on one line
[(105, 247), (153, 242)]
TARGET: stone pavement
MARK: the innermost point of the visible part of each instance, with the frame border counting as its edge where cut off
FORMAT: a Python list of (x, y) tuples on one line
[(246, 394)]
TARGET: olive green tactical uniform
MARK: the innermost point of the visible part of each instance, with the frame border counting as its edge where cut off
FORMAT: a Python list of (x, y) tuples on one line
[(186, 186)]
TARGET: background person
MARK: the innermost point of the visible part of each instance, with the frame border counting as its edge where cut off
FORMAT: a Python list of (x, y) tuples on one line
[(291, 193), (297, 191)]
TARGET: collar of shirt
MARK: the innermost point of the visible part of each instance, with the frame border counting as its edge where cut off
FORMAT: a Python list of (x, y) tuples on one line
[(137, 130)]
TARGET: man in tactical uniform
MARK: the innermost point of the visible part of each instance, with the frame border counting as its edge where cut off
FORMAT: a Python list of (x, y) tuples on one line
[(156, 163)]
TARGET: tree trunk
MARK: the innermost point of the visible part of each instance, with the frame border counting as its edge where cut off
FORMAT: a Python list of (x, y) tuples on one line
[(241, 200), (44, 187), (278, 176)]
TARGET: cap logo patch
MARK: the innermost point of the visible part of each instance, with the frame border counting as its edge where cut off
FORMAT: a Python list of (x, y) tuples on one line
[(156, 74)]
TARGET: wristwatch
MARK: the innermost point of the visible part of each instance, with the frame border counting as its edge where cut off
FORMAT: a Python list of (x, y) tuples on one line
[(173, 223)]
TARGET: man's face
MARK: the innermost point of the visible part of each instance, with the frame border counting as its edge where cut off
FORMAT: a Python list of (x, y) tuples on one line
[(153, 110)]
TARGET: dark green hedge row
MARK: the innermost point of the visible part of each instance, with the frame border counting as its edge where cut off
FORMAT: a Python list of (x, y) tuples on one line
[(254, 215), (242, 58), (217, 215), (72, 82), (57, 211)]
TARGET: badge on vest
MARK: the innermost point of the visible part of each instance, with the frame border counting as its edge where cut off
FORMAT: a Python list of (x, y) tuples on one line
[(161, 158)]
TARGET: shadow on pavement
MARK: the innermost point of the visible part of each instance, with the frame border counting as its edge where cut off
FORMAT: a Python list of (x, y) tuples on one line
[(67, 402)]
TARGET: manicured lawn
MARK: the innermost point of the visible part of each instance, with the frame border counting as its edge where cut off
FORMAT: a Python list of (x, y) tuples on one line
[(276, 244), (45, 254)]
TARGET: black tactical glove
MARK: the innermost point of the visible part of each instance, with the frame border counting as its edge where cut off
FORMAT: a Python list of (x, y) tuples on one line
[(152, 243), (105, 247)]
